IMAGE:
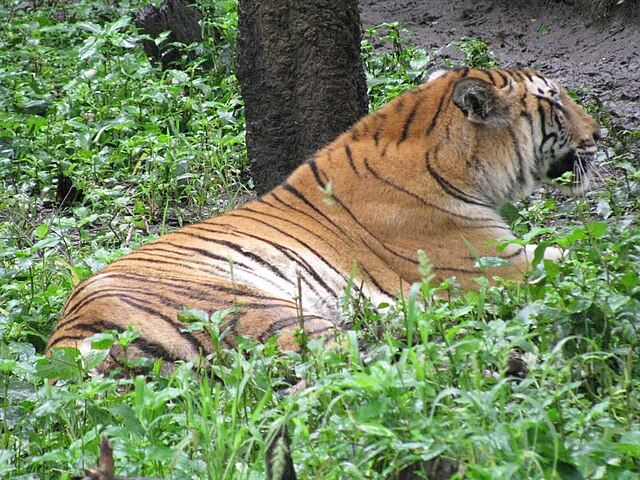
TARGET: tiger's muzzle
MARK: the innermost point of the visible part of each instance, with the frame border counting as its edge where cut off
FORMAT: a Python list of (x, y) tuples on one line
[(578, 162)]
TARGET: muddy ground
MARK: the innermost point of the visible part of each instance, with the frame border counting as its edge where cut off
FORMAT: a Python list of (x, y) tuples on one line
[(578, 48)]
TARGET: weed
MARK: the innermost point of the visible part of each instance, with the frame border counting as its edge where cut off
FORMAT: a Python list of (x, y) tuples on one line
[(476, 53), (390, 64)]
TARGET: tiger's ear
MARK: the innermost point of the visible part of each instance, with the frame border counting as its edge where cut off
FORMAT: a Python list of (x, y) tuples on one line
[(481, 102)]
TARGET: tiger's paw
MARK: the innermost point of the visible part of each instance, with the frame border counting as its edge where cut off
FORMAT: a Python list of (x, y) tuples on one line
[(550, 253)]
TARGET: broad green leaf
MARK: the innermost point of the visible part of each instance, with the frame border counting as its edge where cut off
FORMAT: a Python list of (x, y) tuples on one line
[(42, 231), (597, 229), (62, 364)]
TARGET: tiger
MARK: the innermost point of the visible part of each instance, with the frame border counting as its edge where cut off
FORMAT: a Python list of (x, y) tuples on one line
[(426, 175)]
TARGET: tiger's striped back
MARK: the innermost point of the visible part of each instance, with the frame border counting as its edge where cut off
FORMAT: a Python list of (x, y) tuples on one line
[(426, 172)]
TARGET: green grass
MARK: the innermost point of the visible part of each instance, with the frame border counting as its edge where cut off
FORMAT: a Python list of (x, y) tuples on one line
[(418, 381)]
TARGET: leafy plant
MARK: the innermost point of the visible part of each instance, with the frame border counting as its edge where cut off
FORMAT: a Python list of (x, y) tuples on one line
[(476, 53), (391, 65)]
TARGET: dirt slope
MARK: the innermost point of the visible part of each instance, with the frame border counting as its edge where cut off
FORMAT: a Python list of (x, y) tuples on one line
[(573, 47)]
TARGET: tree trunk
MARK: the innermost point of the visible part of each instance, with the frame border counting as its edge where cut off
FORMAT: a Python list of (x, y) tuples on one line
[(175, 16), (301, 77)]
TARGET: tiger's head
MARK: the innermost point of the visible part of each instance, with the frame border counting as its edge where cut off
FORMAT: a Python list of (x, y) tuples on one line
[(554, 139)]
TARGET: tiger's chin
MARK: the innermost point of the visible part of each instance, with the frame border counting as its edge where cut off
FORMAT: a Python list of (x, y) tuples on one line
[(570, 174), (573, 188)]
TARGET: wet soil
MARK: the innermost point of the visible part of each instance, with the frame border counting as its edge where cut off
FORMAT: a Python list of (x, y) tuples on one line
[(596, 55)]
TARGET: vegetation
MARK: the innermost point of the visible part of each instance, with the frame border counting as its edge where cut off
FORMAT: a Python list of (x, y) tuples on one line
[(414, 382)]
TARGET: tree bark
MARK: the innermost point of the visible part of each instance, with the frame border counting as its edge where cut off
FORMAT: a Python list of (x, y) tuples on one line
[(301, 77), (175, 16)]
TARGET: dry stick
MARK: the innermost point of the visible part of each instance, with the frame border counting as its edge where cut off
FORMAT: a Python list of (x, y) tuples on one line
[(303, 335)]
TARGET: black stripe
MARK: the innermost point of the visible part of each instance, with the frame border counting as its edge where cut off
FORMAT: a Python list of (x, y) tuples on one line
[(489, 225), (434, 119), (508, 256), (504, 78), (148, 348), (330, 227), (316, 173), (140, 305), (175, 324), (321, 330), (454, 269), (299, 195), (519, 75), (347, 151), (237, 213), (451, 189), (513, 75), (225, 260), (277, 302), (536, 150), (514, 254), (285, 322), (383, 153), (284, 218), (155, 350), (489, 76), (294, 256), (544, 80), (514, 141), (553, 104), (361, 225), (99, 326), (117, 292), (241, 251), (79, 303), (408, 122), (425, 202), (289, 188), (342, 233), (200, 251), (84, 331), (376, 137), (553, 136), (178, 286), (158, 259)]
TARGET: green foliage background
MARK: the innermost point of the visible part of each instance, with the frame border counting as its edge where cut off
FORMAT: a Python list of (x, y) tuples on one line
[(425, 379)]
